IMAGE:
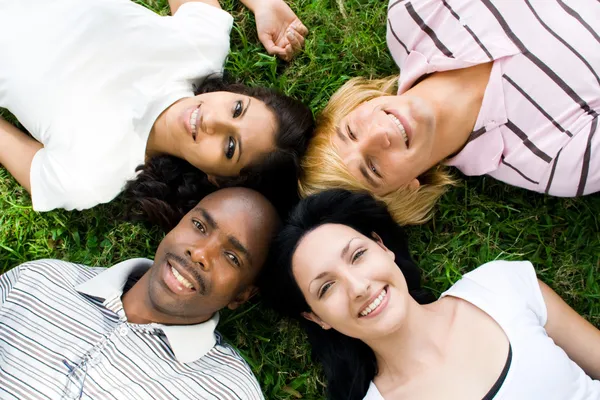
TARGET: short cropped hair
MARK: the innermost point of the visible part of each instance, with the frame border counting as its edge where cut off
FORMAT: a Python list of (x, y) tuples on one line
[(324, 169)]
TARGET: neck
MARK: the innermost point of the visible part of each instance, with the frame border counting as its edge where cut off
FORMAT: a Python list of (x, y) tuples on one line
[(456, 97), (420, 343)]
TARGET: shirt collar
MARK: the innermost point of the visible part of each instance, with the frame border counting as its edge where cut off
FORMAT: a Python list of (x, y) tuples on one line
[(483, 151), (188, 342)]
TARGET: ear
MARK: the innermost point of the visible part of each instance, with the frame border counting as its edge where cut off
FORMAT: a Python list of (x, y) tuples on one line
[(314, 318), (243, 297), (414, 184), (378, 240), (213, 179)]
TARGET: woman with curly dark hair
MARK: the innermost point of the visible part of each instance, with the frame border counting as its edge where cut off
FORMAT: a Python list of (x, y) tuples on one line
[(104, 86), (341, 267)]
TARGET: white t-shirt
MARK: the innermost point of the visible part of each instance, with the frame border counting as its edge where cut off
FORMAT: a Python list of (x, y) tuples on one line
[(88, 78), (539, 370)]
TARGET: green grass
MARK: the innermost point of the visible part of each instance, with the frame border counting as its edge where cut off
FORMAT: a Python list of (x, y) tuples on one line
[(479, 221)]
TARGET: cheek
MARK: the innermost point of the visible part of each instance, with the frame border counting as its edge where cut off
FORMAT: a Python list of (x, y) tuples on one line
[(225, 282)]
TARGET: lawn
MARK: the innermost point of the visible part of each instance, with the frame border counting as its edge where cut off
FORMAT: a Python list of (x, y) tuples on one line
[(478, 221)]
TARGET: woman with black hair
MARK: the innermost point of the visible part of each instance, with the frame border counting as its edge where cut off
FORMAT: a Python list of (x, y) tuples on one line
[(341, 267), (106, 85)]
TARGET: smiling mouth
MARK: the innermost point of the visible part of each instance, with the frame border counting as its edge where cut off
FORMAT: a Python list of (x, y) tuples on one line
[(375, 303), (194, 121), (400, 127), (181, 279)]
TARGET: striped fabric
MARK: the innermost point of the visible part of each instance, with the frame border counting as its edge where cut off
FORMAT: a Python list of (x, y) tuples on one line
[(537, 124), (57, 343)]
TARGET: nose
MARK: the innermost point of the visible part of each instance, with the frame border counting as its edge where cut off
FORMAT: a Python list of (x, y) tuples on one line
[(375, 139), (213, 122), (358, 287), (202, 253)]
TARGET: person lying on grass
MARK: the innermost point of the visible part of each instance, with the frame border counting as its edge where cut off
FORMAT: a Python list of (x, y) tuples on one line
[(142, 328), (509, 89), (104, 86), (341, 267)]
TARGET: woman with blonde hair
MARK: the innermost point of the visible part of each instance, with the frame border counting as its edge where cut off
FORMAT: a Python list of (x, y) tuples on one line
[(506, 89)]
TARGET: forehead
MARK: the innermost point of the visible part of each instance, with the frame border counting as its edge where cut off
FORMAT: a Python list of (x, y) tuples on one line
[(320, 248), (352, 157), (257, 132)]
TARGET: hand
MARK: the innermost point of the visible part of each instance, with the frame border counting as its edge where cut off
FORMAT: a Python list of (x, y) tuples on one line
[(279, 29)]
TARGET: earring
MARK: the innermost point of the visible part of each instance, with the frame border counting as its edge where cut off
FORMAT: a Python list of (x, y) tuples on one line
[(323, 326)]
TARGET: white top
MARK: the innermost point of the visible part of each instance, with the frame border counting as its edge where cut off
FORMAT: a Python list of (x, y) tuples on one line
[(88, 78), (64, 335), (540, 370)]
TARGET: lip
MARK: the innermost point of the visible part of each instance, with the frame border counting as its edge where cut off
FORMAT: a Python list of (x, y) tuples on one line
[(186, 120), (381, 307), (404, 121), (173, 284)]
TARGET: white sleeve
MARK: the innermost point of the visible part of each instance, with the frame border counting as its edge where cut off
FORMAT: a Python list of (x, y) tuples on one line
[(515, 277), (207, 28), (55, 183)]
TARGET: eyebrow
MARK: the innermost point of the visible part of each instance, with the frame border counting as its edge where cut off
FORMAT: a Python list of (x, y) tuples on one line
[(209, 219), (368, 177), (321, 275), (240, 247), (342, 255), (239, 140), (341, 135), (231, 239), (347, 247)]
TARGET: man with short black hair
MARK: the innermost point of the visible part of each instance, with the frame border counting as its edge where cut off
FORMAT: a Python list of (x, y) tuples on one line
[(141, 329)]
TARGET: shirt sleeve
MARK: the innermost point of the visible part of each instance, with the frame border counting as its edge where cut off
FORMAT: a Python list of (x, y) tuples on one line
[(7, 281), (61, 180), (207, 28), (518, 278), (427, 36), (53, 185)]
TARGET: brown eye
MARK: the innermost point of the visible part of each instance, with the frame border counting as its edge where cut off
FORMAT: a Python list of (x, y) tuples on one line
[(233, 258), (230, 148), (325, 288), (358, 255), (351, 134), (199, 226), (373, 169), (238, 108)]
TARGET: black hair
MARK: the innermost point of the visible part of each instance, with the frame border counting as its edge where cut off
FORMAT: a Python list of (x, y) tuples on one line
[(167, 187), (348, 363)]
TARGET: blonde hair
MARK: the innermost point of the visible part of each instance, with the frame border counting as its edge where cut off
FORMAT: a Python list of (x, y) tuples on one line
[(324, 169)]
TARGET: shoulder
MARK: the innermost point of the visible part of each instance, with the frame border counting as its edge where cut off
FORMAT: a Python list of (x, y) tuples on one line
[(228, 370), (57, 271), (502, 272), (510, 284), (373, 393), (205, 20)]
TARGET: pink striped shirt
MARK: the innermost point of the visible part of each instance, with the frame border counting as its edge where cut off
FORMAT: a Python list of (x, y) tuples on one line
[(537, 124)]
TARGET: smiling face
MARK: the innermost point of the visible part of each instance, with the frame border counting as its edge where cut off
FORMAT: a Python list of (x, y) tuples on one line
[(387, 142), (350, 282), (211, 258), (221, 132)]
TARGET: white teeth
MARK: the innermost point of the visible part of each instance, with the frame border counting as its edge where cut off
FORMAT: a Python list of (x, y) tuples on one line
[(181, 279), (400, 126), (373, 306), (193, 119)]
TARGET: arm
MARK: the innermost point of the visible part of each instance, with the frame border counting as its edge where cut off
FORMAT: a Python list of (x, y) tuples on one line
[(16, 152), (577, 337), (279, 29)]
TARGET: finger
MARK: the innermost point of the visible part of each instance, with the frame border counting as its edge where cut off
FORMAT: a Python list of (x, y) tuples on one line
[(296, 40), (270, 46), (288, 52), (299, 27)]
